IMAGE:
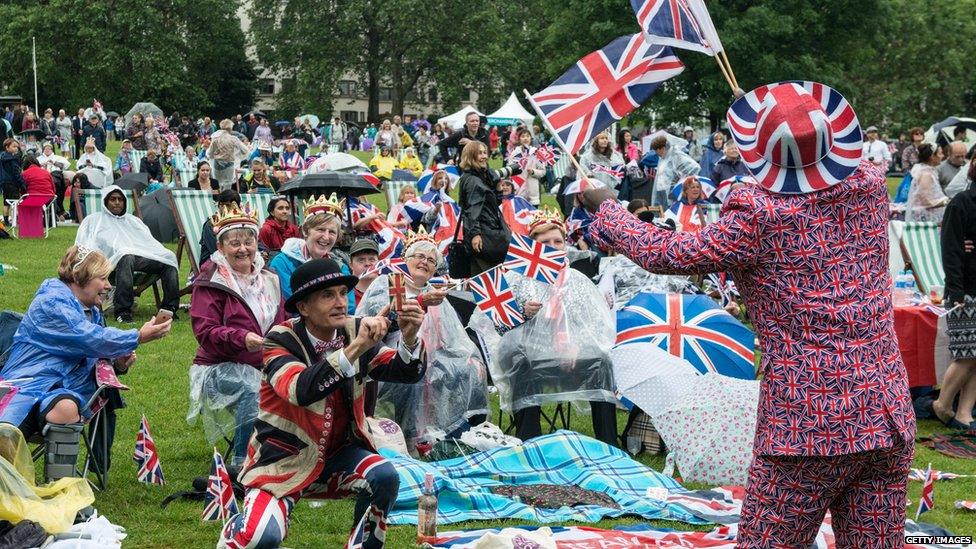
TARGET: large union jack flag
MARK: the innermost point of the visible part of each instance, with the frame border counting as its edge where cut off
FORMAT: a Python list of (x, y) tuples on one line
[(680, 23), (534, 259), (603, 87), (692, 327), (219, 502), (146, 458), (495, 298)]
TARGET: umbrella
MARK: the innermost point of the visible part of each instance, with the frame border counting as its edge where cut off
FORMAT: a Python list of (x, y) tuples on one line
[(636, 367), (156, 212), (133, 181), (402, 175), (336, 162), (342, 183), (707, 422), (428, 174), (693, 327), (256, 113), (282, 123), (310, 118), (36, 133), (112, 114), (943, 132), (145, 109)]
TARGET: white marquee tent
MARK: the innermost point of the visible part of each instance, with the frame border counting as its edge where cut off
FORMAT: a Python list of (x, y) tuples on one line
[(512, 112), (456, 120)]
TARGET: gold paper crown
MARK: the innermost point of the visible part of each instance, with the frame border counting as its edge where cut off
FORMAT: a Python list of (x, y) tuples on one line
[(420, 236), (322, 205), (545, 216), (234, 217)]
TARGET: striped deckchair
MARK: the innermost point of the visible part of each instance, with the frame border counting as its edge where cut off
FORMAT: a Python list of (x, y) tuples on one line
[(432, 154), (392, 190), (332, 149), (259, 203), (922, 249), (191, 208), (89, 201), (186, 174), (560, 167), (137, 157), (712, 212)]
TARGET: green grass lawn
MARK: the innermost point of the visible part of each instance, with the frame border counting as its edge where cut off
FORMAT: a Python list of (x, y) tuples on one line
[(160, 386)]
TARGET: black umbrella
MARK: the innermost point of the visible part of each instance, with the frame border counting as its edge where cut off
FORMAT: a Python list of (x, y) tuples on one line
[(944, 130), (36, 133), (112, 114), (257, 113), (155, 211), (343, 184), (133, 181), (403, 175)]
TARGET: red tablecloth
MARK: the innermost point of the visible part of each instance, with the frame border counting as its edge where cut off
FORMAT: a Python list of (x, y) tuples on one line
[(923, 344)]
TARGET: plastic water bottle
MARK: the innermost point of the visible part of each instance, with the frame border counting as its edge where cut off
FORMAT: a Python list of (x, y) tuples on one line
[(900, 293), (427, 512)]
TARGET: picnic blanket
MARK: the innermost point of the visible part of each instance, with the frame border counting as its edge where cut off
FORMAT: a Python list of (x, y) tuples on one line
[(639, 535), (957, 445), (464, 484)]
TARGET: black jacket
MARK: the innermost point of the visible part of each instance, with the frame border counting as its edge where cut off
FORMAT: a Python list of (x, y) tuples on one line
[(959, 224), (726, 169), (154, 169), (481, 214), (96, 132), (454, 142)]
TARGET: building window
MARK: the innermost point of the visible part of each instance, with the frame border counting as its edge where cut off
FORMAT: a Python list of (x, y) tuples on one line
[(350, 116), (470, 93), (386, 94), (266, 86), (432, 95), (410, 96), (347, 88)]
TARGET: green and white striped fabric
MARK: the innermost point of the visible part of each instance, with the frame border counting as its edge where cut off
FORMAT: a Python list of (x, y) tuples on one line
[(712, 212), (434, 151), (192, 208), (922, 246), (188, 172), (392, 190), (259, 203), (561, 166), (137, 157), (91, 201)]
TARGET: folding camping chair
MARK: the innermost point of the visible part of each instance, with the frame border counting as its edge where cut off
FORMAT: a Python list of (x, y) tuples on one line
[(50, 217), (921, 247), (192, 208)]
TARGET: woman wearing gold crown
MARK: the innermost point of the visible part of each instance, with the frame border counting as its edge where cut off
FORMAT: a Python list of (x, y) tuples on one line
[(560, 353), (321, 229), (454, 389), (236, 300)]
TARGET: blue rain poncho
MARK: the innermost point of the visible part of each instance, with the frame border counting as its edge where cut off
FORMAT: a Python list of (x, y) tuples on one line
[(56, 346)]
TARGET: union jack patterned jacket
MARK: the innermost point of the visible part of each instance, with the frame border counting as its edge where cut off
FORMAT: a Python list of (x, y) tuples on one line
[(307, 409), (813, 270)]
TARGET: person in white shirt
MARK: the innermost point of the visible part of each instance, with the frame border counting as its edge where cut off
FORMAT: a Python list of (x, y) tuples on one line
[(875, 150)]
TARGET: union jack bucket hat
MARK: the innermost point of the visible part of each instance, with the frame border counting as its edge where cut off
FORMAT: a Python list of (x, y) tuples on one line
[(796, 137)]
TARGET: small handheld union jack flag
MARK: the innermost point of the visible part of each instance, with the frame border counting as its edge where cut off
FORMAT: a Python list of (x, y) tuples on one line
[(547, 155), (927, 501), (534, 259), (146, 458), (680, 23), (219, 502), (495, 298), (398, 290)]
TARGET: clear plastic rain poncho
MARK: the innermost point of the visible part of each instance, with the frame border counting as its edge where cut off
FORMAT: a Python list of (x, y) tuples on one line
[(224, 396), (117, 236), (562, 353), (621, 279), (676, 165), (455, 386)]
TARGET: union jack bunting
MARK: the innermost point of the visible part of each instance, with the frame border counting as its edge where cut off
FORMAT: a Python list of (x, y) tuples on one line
[(603, 87), (927, 501), (146, 458), (547, 155), (534, 259), (683, 24), (219, 502), (495, 298)]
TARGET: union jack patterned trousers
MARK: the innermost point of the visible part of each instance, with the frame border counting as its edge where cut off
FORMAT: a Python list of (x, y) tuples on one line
[(263, 523), (787, 497)]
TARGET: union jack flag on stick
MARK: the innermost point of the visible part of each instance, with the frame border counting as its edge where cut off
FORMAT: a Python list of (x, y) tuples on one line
[(495, 298), (683, 24), (534, 259), (603, 87), (146, 458), (219, 502), (927, 501)]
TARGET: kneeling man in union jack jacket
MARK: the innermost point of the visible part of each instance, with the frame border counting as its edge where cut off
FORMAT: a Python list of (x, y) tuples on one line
[(807, 247), (311, 438)]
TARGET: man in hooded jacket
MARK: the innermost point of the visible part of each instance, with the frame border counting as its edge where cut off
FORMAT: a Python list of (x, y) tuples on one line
[(130, 247)]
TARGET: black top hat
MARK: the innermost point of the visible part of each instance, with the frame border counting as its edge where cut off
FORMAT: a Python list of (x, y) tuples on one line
[(315, 275)]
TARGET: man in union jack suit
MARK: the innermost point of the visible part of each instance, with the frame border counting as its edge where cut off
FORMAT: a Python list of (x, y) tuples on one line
[(807, 247), (311, 438)]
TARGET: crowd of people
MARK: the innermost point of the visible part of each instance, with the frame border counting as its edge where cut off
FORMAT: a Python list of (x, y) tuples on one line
[(305, 335)]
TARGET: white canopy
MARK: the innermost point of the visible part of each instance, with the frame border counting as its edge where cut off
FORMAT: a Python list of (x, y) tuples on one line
[(511, 112), (456, 120)]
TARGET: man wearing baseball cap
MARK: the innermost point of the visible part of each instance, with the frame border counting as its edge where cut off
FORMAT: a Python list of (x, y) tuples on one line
[(875, 150), (807, 246), (311, 438)]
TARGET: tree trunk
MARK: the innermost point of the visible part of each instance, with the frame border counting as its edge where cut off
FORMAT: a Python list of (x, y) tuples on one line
[(373, 95), (396, 88)]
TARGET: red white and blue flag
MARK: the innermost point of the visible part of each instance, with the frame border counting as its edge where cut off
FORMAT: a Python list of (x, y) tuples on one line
[(389, 238), (683, 24), (146, 458), (603, 87), (617, 170), (692, 327), (219, 502), (447, 218), (517, 213), (388, 266), (547, 155), (534, 259), (428, 174), (927, 501), (495, 298), (920, 475)]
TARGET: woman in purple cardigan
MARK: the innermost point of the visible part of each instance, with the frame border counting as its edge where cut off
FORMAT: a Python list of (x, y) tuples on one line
[(235, 302)]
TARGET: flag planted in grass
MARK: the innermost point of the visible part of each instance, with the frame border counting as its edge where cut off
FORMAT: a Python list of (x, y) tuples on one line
[(219, 502), (146, 458)]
